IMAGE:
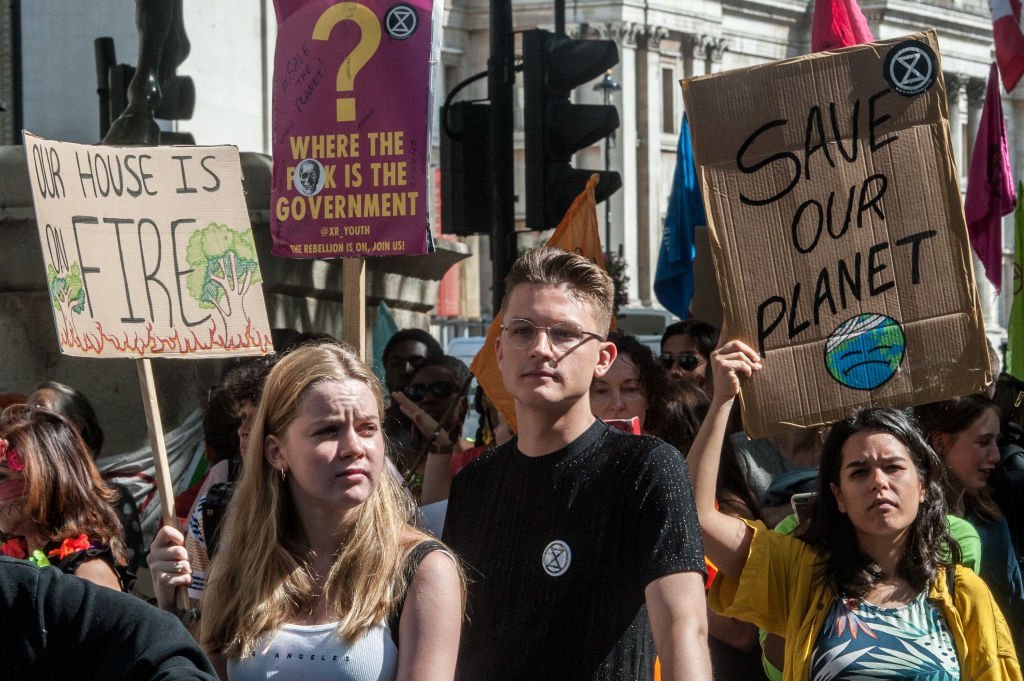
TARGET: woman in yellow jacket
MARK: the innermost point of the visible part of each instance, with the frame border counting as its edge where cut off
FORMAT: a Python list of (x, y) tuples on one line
[(871, 590)]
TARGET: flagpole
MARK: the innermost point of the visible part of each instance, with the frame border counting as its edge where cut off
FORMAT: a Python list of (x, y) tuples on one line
[(500, 81), (607, 86)]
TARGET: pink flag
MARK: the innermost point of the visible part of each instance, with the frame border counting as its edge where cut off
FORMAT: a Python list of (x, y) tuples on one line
[(838, 23), (990, 190), (1006, 33)]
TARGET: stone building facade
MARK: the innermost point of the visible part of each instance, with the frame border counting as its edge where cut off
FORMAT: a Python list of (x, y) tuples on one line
[(660, 42)]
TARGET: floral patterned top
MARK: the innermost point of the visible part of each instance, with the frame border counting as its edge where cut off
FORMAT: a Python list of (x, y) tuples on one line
[(863, 641), (67, 555)]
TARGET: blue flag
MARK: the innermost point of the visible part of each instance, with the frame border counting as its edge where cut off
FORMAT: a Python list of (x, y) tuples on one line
[(673, 280)]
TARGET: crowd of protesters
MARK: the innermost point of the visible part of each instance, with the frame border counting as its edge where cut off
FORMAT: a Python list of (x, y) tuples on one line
[(618, 525)]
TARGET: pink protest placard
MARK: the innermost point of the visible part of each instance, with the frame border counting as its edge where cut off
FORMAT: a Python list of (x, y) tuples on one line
[(351, 128)]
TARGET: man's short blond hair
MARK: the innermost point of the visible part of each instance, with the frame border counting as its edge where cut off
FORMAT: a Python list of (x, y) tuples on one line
[(584, 280)]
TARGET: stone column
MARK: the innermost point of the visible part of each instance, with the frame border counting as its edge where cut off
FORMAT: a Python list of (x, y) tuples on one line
[(648, 181), (624, 153), (956, 91), (695, 54)]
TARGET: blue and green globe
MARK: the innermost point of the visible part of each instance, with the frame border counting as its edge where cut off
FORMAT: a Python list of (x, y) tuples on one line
[(865, 351)]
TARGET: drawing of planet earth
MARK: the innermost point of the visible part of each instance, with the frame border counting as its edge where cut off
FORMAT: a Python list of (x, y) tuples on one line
[(865, 351)]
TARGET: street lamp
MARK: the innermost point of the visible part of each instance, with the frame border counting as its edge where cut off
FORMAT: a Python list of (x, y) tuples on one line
[(607, 86)]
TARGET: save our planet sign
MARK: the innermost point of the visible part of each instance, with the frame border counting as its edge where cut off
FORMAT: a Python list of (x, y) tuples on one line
[(865, 351), (837, 231)]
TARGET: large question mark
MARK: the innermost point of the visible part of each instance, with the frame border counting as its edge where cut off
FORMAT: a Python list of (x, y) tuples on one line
[(369, 41)]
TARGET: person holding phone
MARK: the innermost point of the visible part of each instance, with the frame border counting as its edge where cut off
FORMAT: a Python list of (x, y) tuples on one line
[(871, 588), (581, 541)]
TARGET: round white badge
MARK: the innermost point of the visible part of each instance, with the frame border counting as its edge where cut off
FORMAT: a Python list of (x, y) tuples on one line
[(556, 558)]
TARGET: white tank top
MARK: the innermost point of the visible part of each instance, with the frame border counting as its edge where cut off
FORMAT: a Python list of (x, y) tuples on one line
[(314, 653)]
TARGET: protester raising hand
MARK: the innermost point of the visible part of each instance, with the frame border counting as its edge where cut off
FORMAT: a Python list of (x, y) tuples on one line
[(726, 538), (427, 425), (435, 395), (729, 362), (876, 556)]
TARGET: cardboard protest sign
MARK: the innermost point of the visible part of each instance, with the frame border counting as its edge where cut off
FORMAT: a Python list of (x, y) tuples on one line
[(148, 250), (352, 127), (838, 231)]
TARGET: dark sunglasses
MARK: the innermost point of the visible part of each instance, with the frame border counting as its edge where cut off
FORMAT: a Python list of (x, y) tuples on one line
[(687, 361), (440, 390)]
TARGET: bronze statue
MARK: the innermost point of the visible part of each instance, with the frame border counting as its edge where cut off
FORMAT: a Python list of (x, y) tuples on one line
[(163, 46)]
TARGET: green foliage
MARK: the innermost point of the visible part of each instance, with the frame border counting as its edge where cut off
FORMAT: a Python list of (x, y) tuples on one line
[(67, 291), (616, 267), (219, 252)]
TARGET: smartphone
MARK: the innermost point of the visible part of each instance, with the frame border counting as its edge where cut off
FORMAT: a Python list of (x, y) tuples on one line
[(631, 426), (801, 504)]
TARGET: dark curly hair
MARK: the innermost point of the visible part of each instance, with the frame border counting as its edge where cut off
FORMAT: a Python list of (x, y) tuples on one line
[(654, 380), (244, 382), (845, 568), (220, 426), (415, 335)]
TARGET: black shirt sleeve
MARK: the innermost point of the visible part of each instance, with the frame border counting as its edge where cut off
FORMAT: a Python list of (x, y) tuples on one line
[(669, 537), (57, 626)]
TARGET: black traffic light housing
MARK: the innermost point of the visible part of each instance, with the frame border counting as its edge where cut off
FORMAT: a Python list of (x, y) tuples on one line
[(466, 205), (555, 128)]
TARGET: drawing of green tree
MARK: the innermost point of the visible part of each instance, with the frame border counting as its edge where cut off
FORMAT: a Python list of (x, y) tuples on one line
[(66, 294), (225, 268)]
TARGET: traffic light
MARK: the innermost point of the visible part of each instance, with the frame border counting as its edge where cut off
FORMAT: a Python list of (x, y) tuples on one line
[(555, 128), (177, 101), (466, 205)]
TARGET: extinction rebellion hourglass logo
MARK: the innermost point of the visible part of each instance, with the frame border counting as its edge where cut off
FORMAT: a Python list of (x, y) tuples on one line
[(556, 558)]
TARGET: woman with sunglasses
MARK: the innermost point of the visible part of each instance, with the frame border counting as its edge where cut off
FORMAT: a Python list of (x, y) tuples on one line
[(871, 589), (685, 349), (54, 507), (435, 403)]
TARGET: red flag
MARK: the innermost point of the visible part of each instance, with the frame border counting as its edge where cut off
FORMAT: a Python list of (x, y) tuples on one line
[(1006, 33), (990, 190), (838, 23)]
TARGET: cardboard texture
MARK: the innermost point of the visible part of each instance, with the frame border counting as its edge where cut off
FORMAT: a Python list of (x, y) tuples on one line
[(837, 231), (148, 250)]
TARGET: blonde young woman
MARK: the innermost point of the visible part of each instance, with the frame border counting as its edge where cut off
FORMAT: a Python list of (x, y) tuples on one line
[(321, 573)]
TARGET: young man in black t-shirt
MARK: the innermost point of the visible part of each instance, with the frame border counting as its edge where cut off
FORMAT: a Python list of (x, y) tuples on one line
[(582, 543)]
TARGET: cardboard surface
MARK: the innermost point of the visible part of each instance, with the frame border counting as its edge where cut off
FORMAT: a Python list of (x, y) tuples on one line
[(837, 231), (351, 131), (148, 250)]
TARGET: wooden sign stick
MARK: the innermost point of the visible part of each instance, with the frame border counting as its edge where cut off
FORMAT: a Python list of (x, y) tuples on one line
[(163, 470), (353, 304)]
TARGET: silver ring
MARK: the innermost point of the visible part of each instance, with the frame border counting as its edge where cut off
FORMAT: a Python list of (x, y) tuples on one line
[(179, 567)]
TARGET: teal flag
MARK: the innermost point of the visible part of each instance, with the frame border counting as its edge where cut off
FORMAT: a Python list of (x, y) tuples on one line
[(1015, 346), (383, 329)]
